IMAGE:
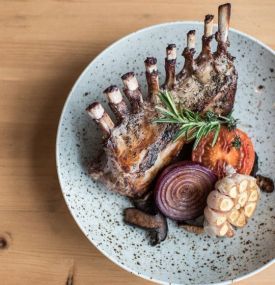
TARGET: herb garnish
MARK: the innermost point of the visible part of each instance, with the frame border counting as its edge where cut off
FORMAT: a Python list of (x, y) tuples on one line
[(192, 124)]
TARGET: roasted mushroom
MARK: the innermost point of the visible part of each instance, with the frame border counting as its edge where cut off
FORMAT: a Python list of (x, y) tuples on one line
[(155, 224), (266, 184)]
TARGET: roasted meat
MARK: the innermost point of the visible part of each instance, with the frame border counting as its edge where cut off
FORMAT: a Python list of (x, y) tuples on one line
[(135, 148)]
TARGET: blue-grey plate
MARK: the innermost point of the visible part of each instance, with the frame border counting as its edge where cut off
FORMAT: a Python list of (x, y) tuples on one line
[(182, 258)]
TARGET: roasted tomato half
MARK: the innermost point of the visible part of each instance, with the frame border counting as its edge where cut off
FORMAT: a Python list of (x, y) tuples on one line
[(233, 148)]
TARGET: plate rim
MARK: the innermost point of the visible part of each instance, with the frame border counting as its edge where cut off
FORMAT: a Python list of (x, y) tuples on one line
[(226, 282)]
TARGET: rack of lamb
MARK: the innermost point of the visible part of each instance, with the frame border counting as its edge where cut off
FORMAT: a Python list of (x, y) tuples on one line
[(136, 149)]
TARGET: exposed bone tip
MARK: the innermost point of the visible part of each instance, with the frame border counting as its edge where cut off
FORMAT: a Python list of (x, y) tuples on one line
[(191, 39), (225, 11), (150, 61), (128, 75), (208, 18), (130, 81), (111, 89), (151, 64), (171, 46), (113, 93), (154, 72), (226, 6), (171, 52), (208, 25), (191, 32), (95, 110), (223, 21)]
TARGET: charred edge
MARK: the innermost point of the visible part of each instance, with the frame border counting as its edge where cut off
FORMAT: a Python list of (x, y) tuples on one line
[(208, 18), (222, 46), (170, 69), (171, 62), (188, 53), (188, 66), (127, 75), (192, 51), (91, 106), (111, 89), (207, 40), (153, 82), (171, 46), (150, 61), (95, 167), (171, 53), (135, 98), (206, 48), (120, 110), (152, 76), (154, 73), (191, 33)]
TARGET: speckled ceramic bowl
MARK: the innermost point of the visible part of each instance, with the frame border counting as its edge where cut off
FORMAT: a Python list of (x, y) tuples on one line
[(182, 258)]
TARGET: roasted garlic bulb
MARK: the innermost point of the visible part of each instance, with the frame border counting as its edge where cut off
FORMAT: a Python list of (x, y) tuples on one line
[(232, 203)]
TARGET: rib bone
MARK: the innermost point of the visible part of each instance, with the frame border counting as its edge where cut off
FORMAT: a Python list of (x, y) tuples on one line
[(97, 113), (138, 148), (207, 38), (208, 25), (132, 91), (170, 66), (224, 19), (191, 39), (152, 77), (188, 54), (116, 102)]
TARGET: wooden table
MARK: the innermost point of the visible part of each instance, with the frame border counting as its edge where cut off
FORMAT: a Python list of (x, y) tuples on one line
[(44, 46)]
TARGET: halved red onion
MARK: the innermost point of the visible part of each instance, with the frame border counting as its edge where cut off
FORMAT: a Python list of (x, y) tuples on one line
[(182, 189)]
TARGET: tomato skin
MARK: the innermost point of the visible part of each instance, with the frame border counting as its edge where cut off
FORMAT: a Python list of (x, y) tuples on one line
[(223, 153)]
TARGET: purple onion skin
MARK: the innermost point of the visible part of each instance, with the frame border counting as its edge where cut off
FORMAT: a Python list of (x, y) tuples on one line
[(182, 188)]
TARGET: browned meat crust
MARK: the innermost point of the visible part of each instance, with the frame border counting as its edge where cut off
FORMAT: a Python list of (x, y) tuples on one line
[(135, 148)]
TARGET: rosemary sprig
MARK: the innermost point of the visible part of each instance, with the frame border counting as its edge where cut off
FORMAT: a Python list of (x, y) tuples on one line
[(191, 124)]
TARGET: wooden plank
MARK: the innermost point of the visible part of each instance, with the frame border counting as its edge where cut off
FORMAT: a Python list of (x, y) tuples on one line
[(44, 46)]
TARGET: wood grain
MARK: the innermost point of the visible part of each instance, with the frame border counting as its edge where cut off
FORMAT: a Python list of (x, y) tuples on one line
[(44, 46)]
